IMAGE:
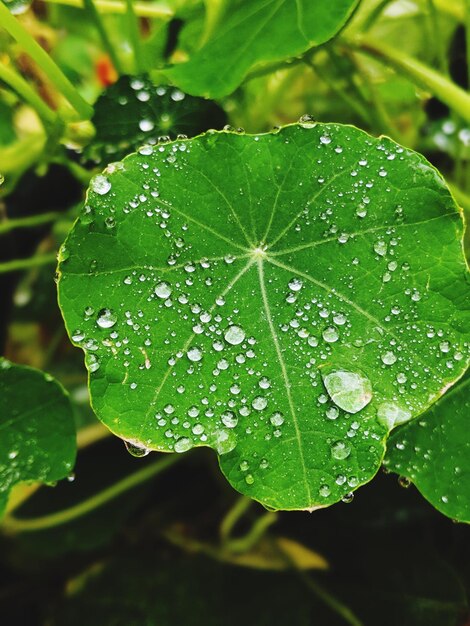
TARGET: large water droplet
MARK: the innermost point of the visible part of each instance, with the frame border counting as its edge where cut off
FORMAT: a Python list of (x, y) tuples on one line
[(194, 354), (183, 444), (163, 290), (390, 415), (234, 335), (106, 318), (136, 449), (351, 391), (340, 450), (100, 184)]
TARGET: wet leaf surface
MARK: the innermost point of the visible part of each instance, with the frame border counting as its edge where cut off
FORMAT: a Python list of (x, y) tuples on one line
[(134, 111), (37, 441), (434, 453), (219, 285)]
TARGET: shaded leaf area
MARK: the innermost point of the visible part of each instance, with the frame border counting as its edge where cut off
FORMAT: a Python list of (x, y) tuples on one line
[(37, 440), (262, 295), (422, 584), (192, 591), (260, 31), (434, 452), (134, 111), (156, 586), (97, 468), (17, 7)]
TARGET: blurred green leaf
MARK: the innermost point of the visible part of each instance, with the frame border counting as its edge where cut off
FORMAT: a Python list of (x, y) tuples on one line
[(37, 440), (134, 111), (256, 32)]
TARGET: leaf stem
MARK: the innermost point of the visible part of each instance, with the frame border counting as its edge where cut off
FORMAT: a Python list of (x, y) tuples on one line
[(37, 260), (419, 73), (242, 504), (28, 222), (25, 91), (437, 40), (356, 106), (142, 9), (251, 538), (13, 524), (92, 11), (323, 594), (134, 37), (44, 61)]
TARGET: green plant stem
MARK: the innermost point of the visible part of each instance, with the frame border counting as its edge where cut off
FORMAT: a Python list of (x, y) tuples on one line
[(215, 10), (340, 92), (419, 73), (28, 222), (455, 8), (242, 504), (142, 9), (134, 37), (44, 61), (379, 112), (86, 436), (436, 40), (90, 8), (23, 89), (467, 39), (13, 524), (37, 260), (323, 594), (258, 529)]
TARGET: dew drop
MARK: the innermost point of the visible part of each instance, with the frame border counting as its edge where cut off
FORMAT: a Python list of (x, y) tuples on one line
[(259, 403), (100, 184), (136, 450), (330, 334), (183, 444), (340, 450), (234, 335), (106, 318), (194, 354), (388, 358), (163, 290), (390, 415), (350, 391)]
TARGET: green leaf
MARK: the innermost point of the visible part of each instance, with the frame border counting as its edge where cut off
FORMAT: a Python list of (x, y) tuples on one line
[(134, 111), (257, 32), (37, 440), (434, 453), (17, 7), (215, 283)]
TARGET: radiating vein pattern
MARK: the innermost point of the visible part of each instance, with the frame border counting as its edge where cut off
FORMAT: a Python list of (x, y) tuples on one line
[(286, 299)]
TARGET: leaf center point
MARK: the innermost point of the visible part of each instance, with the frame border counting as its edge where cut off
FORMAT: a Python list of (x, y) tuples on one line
[(259, 252)]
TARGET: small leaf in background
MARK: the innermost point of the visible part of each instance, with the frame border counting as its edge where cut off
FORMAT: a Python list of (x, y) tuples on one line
[(256, 32), (37, 431), (17, 7), (134, 111), (434, 452), (216, 283)]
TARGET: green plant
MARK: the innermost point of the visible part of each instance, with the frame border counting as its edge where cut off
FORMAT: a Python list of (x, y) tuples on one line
[(290, 290)]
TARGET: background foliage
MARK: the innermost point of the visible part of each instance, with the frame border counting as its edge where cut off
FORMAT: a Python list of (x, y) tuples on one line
[(165, 539)]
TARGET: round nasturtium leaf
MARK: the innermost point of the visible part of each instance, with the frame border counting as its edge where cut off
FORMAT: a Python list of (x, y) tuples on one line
[(133, 111), (37, 430), (434, 452), (216, 283)]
